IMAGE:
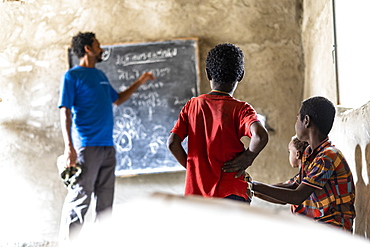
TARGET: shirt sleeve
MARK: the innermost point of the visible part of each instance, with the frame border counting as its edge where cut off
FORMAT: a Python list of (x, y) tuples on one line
[(293, 180), (66, 91), (248, 116), (113, 94), (181, 126)]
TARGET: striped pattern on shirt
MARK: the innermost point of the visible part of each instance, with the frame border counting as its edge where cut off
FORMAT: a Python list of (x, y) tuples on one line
[(326, 169)]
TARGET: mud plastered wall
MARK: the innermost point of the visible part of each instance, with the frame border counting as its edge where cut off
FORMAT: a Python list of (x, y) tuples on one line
[(351, 134), (351, 128), (34, 37)]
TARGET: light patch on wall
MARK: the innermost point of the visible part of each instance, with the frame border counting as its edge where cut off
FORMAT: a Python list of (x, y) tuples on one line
[(41, 101), (26, 68), (8, 71), (4, 63), (11, 71), (37, 87), (262, 119), (34, 123), (28, 58), (44, 64), (159, 6), (38, 114), (48, 11), (19, 1)]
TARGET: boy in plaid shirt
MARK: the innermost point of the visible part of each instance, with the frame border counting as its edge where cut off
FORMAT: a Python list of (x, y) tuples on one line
[(324, 189)]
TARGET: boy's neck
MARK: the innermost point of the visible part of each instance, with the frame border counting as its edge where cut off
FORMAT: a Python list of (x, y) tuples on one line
[(316, 139), (224, 88), (220, 92)]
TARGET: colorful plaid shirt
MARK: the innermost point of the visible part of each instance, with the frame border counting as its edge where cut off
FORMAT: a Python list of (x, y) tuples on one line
[(332, 202)]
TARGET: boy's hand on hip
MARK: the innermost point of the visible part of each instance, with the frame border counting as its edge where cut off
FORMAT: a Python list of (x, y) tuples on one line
[(235, 165), (239, 163)]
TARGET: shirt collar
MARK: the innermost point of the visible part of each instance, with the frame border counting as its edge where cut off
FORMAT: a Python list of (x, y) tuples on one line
[(310, 154)]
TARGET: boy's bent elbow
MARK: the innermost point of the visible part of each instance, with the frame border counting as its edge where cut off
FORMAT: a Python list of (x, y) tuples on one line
[(264, 138), (261, 136), (170, 145), (173, 141)]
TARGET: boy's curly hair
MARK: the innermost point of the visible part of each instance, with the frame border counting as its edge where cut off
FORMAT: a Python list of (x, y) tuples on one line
[(321, 111), (79, 41), (225, 63), (299, 145)]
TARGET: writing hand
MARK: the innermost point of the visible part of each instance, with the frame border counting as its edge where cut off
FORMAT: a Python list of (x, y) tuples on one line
[(146, 76)]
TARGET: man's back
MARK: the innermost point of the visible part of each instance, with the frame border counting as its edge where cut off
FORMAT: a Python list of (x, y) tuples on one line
[(87, 92)]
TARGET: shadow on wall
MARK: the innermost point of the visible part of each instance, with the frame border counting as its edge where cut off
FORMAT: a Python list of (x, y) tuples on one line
[(362, 203)]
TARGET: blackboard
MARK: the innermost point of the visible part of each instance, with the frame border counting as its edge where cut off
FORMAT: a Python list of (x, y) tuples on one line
[(143, 123)]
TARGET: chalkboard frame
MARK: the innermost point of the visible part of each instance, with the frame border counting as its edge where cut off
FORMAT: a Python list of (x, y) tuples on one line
[(160, 144)]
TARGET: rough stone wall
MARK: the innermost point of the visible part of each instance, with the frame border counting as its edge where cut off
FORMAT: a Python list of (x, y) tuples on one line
[(351, 128), (34, 36), (351, 133)]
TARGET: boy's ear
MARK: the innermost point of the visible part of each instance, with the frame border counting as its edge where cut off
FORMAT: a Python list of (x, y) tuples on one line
[(208, 75), (306, 121), (241, 77), (298, 155)]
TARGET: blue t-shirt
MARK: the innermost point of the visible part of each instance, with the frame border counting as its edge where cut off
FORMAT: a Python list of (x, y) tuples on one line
[(89, 95)]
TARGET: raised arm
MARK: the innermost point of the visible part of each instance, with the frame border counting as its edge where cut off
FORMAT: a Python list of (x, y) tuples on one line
[(258, 141), (125, 95)]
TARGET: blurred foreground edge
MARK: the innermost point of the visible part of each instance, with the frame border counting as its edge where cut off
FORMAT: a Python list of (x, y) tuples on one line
[(170, 220)]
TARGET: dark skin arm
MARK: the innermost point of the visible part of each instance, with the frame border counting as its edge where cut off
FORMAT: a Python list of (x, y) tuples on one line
[(292, 196), (258, 141), (272, 200), (268, 199), (125, 95), (66, 123), (175, 147)]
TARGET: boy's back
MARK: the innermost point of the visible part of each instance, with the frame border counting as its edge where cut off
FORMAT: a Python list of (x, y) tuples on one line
[(214, 124)]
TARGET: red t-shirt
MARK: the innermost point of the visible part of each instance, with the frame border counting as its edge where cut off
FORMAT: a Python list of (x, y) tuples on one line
[(214, 125)]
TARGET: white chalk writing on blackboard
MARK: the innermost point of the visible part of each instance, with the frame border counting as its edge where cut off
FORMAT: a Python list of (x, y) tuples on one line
[(160, 55), (128, 128), (133, 74)]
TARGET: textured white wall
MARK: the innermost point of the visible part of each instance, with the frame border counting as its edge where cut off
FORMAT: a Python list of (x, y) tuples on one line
[(351, 130), (33, 38)]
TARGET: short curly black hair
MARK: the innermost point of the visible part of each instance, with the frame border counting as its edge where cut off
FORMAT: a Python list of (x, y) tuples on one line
[(299, 145), (79, 41), (225, 63), (321, 112)]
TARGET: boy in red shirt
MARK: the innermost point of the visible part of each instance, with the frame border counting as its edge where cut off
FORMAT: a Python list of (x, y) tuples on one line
[(214, 124)]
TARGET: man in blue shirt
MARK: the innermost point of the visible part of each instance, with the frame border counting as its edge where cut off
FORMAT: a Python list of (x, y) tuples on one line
[(86, 114)]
